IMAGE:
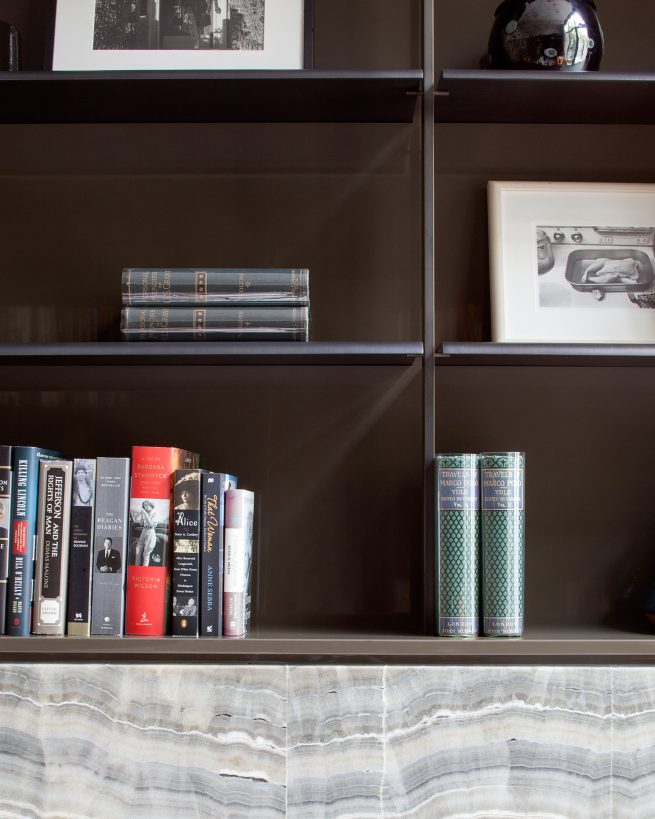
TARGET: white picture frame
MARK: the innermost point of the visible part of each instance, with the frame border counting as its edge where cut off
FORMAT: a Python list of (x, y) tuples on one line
[(175, 38), (599, 286)]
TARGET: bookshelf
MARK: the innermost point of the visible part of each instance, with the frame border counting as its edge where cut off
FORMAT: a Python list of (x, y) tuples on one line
[(370, 170)]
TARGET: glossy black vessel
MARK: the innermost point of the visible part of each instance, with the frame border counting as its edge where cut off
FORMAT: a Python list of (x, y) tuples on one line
[(556, 35)]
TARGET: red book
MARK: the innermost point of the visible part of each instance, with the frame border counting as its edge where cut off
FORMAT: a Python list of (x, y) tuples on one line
[(148, 584)]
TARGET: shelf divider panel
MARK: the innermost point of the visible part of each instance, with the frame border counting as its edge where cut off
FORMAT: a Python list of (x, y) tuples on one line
[(125, 353), (528, 354), (208, 96), (592, 97)]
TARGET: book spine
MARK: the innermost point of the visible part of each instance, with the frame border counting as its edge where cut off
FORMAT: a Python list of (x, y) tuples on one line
[(5, 529), (185, 285), (503, 542), (148, 598), (80, 558), (53, 532), (214, 485), (272, 323), (458, 545), (23, 535), (186, 556), (239, 526), (110, 548)]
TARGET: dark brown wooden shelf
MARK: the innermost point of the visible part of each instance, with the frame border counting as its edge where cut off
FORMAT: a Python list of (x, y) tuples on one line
[(208, 96), (126, 353), (462, 353), (543, 646), (478, 95)]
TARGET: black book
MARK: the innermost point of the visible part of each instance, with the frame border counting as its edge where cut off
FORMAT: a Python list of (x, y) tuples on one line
[(214, 486), (214, 323), (80, 558), (215, 285), (186, 552)]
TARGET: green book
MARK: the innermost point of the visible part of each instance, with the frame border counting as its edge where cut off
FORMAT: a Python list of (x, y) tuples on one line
[(458, 545), (503, 542)]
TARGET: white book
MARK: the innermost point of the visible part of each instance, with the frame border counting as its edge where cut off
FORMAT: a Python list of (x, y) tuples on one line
[(239, 526)]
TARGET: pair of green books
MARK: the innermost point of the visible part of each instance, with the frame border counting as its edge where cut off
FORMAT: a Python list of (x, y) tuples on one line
[(480, 533)]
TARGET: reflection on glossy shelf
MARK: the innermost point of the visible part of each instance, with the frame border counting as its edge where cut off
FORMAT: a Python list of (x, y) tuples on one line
[(217, 352), (549, 97), (548, 355)]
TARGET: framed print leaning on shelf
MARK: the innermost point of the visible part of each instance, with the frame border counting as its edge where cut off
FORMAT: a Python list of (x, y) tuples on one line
[(103, 35), (572, 262)]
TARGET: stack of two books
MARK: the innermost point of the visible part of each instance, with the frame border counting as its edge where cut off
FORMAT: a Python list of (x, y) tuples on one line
[(215, 304)]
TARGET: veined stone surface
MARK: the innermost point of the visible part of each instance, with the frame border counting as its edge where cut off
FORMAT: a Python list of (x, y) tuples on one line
[(175, 741), (494, 741), (142, 741), (336, 741), (633, 759)]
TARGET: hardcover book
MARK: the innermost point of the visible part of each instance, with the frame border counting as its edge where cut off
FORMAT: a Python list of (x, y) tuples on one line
[(148, 598), (503, 542), (110, 548), (5, 526), (25, 492), (239, 526), (80, 557), (186, 552), (53, 531), (214, 486), (458, 545), (213, 323), (216, 285)]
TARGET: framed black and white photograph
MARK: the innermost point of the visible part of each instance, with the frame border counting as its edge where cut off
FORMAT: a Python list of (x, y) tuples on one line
[(96, 35), (572, 262)]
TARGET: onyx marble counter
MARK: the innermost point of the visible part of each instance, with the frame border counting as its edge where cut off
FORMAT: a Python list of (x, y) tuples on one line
[(326, 741)]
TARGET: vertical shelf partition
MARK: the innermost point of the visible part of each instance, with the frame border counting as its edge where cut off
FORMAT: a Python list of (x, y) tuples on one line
[(429, 296)]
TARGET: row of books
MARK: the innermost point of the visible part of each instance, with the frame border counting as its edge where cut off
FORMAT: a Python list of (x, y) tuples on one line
[(146, 546), (480, 533), (215, 304)]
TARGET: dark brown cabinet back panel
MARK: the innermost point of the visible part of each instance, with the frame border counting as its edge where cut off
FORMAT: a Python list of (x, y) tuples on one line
[(34, 20), (333, 455), (353, 219), (589, 479), (367, 34), (468, 156)]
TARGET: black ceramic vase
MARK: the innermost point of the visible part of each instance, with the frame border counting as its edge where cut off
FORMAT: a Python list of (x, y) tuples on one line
[(556, 35)]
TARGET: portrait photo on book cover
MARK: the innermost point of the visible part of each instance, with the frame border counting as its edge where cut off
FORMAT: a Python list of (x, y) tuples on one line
[(186, 492), (4, 521), (181, 34), (83, 482), (149, 521), (572, 262), (108, 558), (185, 606)]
